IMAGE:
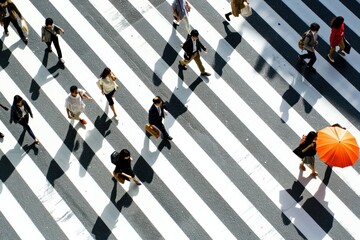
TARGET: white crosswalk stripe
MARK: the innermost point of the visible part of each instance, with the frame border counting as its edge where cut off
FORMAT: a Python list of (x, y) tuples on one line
[(179, 207)]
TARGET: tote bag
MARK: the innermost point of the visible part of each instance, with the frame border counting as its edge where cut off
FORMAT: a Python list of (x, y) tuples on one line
[(246, 10)]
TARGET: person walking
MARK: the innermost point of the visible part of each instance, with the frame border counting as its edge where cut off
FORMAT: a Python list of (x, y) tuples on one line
[(108, 87), (156, 114), (310, 42), (181, 9), (192, 48), (19, 113), (336, 37), (6, 109), (306, 151), (74, 103), (50, 34), (236, 6), (9, 13), (123, 168)]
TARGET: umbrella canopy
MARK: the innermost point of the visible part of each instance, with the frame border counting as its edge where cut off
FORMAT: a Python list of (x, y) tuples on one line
[(337, 147)]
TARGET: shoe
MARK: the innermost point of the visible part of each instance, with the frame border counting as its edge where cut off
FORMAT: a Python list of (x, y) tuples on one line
[(314, 174), (1, 135), (169, 138), (49, 49), (61, 60), (175, 25), (227, 16), (25, 40), (341, 53), (311, 68), (183, 67), (83, 122), (301, 60), (7, 33), (37, 142), (330, 58), (138, 183), (205, 74)]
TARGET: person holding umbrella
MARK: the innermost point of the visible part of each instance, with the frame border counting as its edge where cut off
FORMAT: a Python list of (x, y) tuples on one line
[(306, 151)]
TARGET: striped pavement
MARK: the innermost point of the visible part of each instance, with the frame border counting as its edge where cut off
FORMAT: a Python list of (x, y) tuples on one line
[(229, 172)]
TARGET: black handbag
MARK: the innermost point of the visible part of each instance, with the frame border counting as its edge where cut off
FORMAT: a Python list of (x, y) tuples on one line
[(347, 46)]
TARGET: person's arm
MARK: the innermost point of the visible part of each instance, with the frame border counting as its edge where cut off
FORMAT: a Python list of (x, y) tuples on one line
[(13, 6), (69, 113), (306, 43), (85, 95), (4, 107)]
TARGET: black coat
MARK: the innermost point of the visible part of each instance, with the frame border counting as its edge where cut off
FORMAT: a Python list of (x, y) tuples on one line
[(16, 113), (188, 47), (154, 117)]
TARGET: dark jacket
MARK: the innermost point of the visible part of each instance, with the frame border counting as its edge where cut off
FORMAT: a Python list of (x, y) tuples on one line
[(16, 113), (13, 11), (154, 117), (124, 166), (188, 47)]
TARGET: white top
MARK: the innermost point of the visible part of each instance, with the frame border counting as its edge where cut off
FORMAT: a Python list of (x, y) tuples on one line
[(108, 84), (75, 104)]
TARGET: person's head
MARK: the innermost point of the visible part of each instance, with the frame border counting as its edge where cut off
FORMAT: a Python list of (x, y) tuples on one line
[(337, 22), (310, 137), (17, 100), (74, 90), (194, 34), (124, 154), (105, 72), (3, 3), (314, 27), (157, 101), (49, 22)]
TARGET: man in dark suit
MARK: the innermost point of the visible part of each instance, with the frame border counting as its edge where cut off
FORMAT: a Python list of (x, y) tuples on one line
[(156, 114), (192, 48), (9, 13)]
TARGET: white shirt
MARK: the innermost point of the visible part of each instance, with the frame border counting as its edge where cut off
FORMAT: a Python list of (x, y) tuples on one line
[(75, 104), (108, 84), (194, 46)]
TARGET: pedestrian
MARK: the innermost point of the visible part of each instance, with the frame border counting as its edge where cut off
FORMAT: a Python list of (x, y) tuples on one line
[(19, 113), (181, 9), (6, 109), (310, 42), (306, 151), (336, 37), (192, 48), (74, 103), (50, 34), (9, 13), (236, 6), (156, 114), (108, 87), (123, 167)]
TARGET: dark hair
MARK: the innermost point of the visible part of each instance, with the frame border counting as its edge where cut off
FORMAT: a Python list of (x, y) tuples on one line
[(49, 21), (194, 33), (310, 137), (157, 99), (337, 22), (73, 88), (124, 153), (314, 27), (3, 1), (105, 72), (17, 99)]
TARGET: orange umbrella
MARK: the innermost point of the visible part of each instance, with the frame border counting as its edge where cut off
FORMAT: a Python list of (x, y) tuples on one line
[(337, 147)]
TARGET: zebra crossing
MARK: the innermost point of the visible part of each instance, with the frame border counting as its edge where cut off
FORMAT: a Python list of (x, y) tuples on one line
[(229, 172)]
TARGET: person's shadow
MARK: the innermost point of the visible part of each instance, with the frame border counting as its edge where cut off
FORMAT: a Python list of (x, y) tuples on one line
[(5, 54), (232, 38), (169, 55), (103, 230)]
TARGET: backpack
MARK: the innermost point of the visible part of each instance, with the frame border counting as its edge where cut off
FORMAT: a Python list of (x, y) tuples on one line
[(302, 40), (114, 157)]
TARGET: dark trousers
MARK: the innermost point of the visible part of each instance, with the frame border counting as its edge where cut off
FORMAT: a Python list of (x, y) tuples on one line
[(109, 97), (161, 127), (55, 40), (25, 123), (7, 21), (310, 55)]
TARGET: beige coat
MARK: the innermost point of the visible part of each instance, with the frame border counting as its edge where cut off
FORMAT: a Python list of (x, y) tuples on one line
[(236, 6)]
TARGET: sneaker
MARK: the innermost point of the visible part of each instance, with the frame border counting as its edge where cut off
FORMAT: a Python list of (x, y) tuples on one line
[(7, 33), (49, 49), (83, 122), (227, 16), (330, 58), (1, 135), (341, 53), (61, 60), (25, 40), (37, 142), (205, 74)]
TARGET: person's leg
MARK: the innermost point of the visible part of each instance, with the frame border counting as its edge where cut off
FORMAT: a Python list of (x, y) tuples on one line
[(109, 97), (227, 16), (18, 28), (302, 166), (6, 25), (162, 129), (199, 63), (312, 59), (48, 44), (55, 40), (25, 123), (331, 54), (187, 24), (342, 47)]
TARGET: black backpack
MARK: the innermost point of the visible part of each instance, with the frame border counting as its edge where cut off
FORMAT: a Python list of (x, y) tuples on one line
[(114, 157)]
